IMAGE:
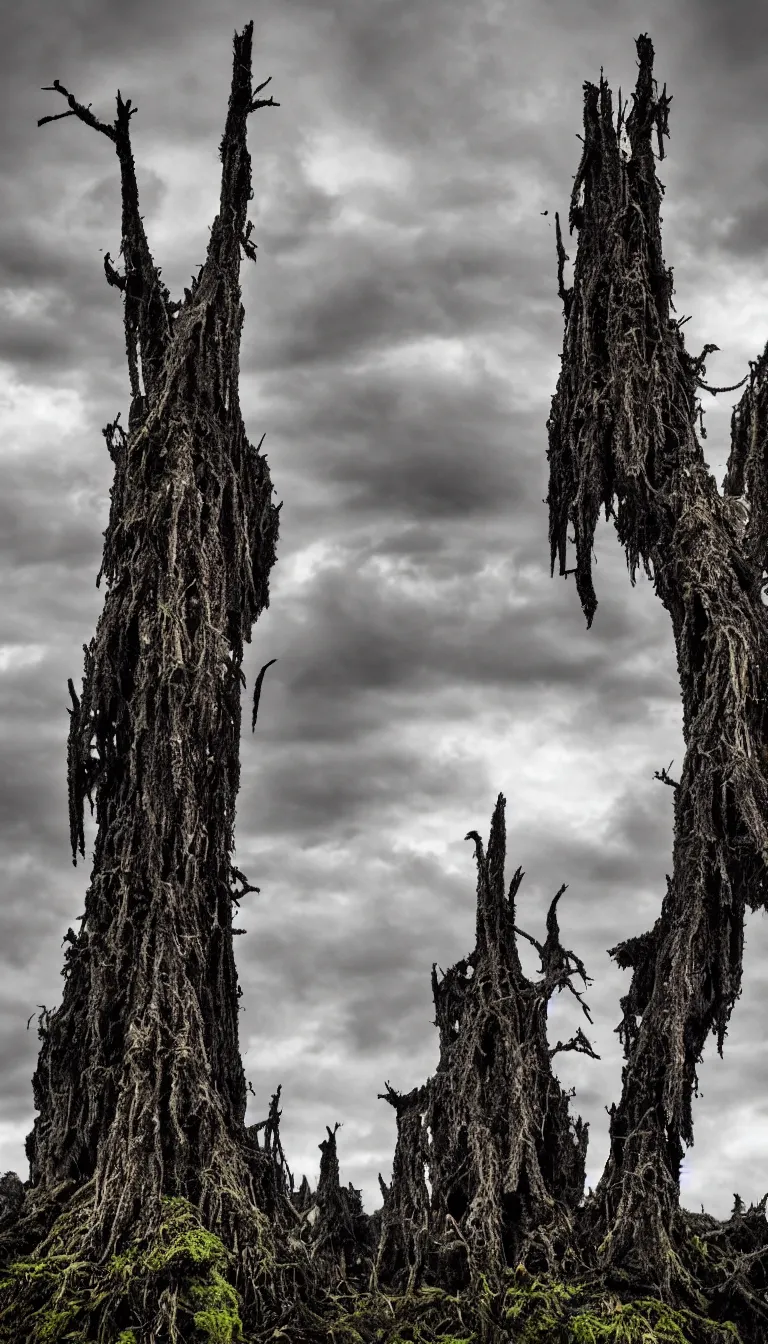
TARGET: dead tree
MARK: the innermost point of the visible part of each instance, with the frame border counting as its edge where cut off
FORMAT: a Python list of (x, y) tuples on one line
[(340, 1238), (403, 1243), (139, 1086), (622, 430), (505, 1159)]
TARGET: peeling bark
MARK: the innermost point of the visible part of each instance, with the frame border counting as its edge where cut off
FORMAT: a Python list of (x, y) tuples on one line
[(623, 429)]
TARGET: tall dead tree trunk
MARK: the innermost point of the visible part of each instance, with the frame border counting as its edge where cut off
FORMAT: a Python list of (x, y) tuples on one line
[(403, 1244), (623, 427), (505, 1159), (140, 1087), (341, 1239)]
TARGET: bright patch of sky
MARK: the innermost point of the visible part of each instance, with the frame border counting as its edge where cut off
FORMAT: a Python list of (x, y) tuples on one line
[(33, 418), (339, 161)]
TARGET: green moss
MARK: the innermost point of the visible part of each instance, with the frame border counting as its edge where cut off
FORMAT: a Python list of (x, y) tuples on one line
[(179, 1241), (63, 1299), (539, 1306), (217, 1317), (55, 1323), (547, 1311), (42, 1299), (532, 1310), (426, 1316), (699, 1247)]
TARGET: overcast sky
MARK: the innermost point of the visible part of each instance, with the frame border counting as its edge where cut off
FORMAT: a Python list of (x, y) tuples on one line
[(400, 349)]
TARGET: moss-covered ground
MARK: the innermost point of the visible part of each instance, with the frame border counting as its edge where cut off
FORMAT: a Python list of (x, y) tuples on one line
[(530, 1310), (178, 1289), (181, 1278)]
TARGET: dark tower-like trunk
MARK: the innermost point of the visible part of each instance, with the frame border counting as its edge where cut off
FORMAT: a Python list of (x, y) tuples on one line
[(403, 1243), (341, 1235), (505, 1159), (623, 428), (139, 1086)]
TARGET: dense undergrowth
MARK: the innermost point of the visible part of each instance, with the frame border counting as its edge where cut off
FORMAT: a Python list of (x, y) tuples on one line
[(181, 1287)]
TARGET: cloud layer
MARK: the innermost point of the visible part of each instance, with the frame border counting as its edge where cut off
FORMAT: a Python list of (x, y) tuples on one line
[(400, 349)]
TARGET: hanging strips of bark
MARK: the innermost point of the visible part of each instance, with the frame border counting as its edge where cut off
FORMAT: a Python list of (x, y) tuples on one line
[(622, 435), (139, 1085)]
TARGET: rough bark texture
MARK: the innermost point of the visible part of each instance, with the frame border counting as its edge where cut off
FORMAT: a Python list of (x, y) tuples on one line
[(623, 428), (153, 1214), (505, 1160), (404, 1241), (341, 1233), (140, 1087)]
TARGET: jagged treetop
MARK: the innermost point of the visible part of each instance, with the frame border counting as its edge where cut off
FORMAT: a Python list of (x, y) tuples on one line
[(623, 420), (149, 311)]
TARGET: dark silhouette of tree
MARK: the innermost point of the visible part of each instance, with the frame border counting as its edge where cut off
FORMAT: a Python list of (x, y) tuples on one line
[(341, 1238), (506, 1162), (623, 429), (139, 1086), (152, 1212)]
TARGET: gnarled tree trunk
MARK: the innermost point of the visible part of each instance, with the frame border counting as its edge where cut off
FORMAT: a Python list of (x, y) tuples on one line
[(505, 1159), (140, 1087), (403, 1244), (623, 428)]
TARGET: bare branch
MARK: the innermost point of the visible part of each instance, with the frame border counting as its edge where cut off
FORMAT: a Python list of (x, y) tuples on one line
[(257, 692), (84, 113), (578, 1042), (664, 777)]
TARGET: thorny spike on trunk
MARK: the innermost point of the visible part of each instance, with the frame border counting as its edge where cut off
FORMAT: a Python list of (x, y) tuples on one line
[(623, 426), (506, 1161)]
